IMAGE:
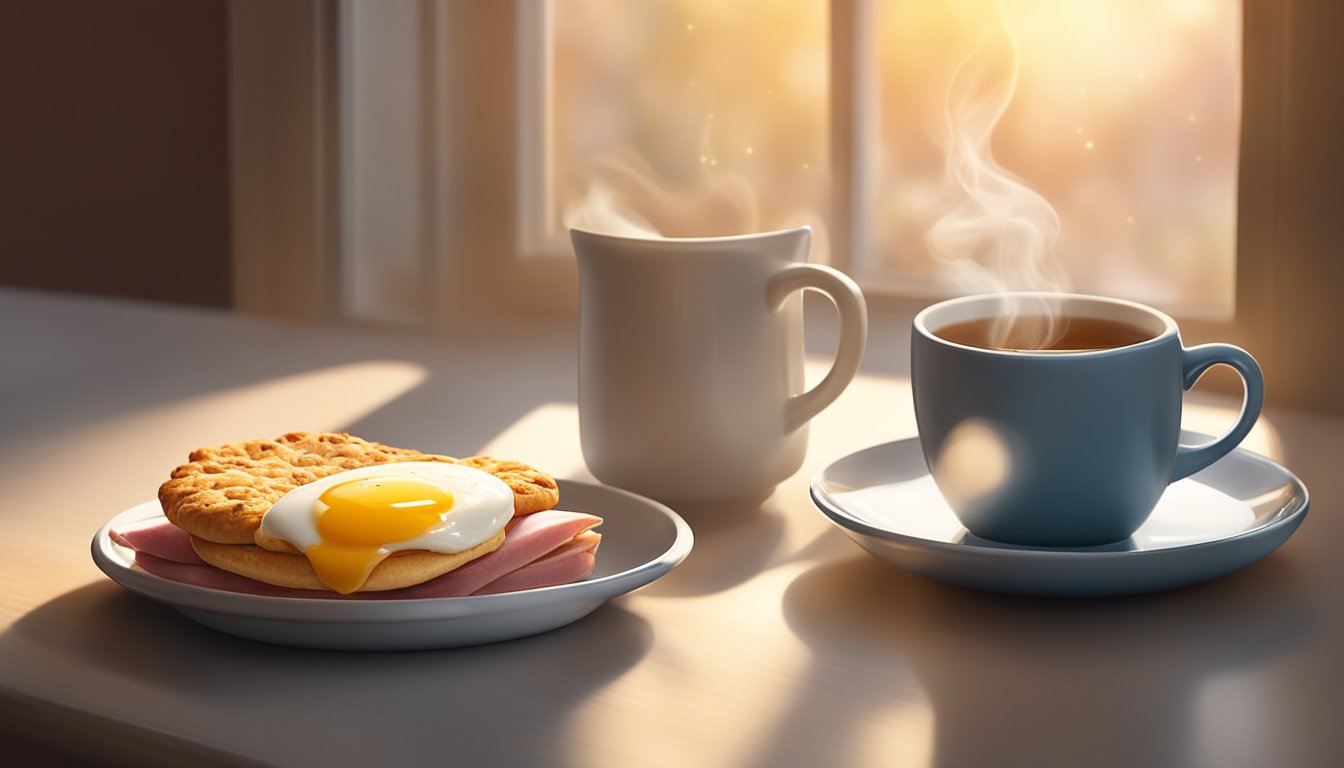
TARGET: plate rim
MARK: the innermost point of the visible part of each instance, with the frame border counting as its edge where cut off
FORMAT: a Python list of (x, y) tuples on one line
[(848, 522), (109, 559)]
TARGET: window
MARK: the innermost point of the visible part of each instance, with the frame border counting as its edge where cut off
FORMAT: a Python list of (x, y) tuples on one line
[(486, 182), (705, 117), (1122, 115)]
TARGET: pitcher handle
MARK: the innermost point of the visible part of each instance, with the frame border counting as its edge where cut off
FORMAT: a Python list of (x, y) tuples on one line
[(844, 293), (1192, 458)]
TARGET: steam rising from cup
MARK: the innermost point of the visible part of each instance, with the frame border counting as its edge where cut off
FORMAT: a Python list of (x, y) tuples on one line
[(996, 233)]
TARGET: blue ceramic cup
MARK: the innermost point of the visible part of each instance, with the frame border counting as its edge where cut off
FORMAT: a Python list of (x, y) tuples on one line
[(1061, 447)]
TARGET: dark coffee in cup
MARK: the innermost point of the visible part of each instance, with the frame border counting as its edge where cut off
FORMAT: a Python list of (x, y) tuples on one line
[(1027, 333)]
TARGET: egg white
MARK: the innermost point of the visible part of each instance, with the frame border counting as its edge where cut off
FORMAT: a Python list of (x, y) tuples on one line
[(482, 505)]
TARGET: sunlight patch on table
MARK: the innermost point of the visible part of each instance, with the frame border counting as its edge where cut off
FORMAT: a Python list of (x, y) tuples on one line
[(156, 438), (546, 437), (753, 673), (1236, 720), (738, 647)]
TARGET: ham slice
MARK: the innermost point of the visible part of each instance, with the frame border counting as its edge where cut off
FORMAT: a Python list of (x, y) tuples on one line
[(163, 540), (527, 539), (539, 550), (576, 556)]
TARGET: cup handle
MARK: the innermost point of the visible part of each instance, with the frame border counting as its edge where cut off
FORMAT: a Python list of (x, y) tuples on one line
[(844, 293), (1190, 459)]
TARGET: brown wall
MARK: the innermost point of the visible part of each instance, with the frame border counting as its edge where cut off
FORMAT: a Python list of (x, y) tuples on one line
[(114, 148)]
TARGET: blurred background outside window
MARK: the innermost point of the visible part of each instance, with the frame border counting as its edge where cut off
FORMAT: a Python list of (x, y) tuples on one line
[(711, 117)]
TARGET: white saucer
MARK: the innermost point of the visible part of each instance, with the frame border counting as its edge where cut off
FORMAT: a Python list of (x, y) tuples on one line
[(1215, 522), (641, 541)]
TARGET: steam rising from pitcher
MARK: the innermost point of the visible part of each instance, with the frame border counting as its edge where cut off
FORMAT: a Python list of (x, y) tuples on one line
[(620, 193), (996, 233), (624, 195)]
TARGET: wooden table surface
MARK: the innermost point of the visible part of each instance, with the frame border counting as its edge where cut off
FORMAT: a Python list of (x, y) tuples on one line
[(777, 642)]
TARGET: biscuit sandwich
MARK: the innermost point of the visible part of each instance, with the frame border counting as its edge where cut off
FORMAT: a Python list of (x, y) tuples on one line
[(330, 514)]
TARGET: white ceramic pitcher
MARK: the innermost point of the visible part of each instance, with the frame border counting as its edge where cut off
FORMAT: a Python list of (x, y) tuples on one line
[(691, 360)]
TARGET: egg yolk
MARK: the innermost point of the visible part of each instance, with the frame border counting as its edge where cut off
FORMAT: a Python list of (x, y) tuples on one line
[(364, 516)]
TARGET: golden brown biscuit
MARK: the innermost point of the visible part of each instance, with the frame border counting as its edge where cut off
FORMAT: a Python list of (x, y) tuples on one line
[(533, 490), (221, 494), (400, 569)]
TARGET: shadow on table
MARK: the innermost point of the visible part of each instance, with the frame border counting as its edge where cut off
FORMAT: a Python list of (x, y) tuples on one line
[(475, 704), (961, 677), (734, 542)]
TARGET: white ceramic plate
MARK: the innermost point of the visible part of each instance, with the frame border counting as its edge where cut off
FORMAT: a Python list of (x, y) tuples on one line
[(1210, 524), (641, 541)]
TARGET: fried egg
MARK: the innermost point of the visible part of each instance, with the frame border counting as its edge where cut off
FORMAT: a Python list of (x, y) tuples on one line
[(349, 522)]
